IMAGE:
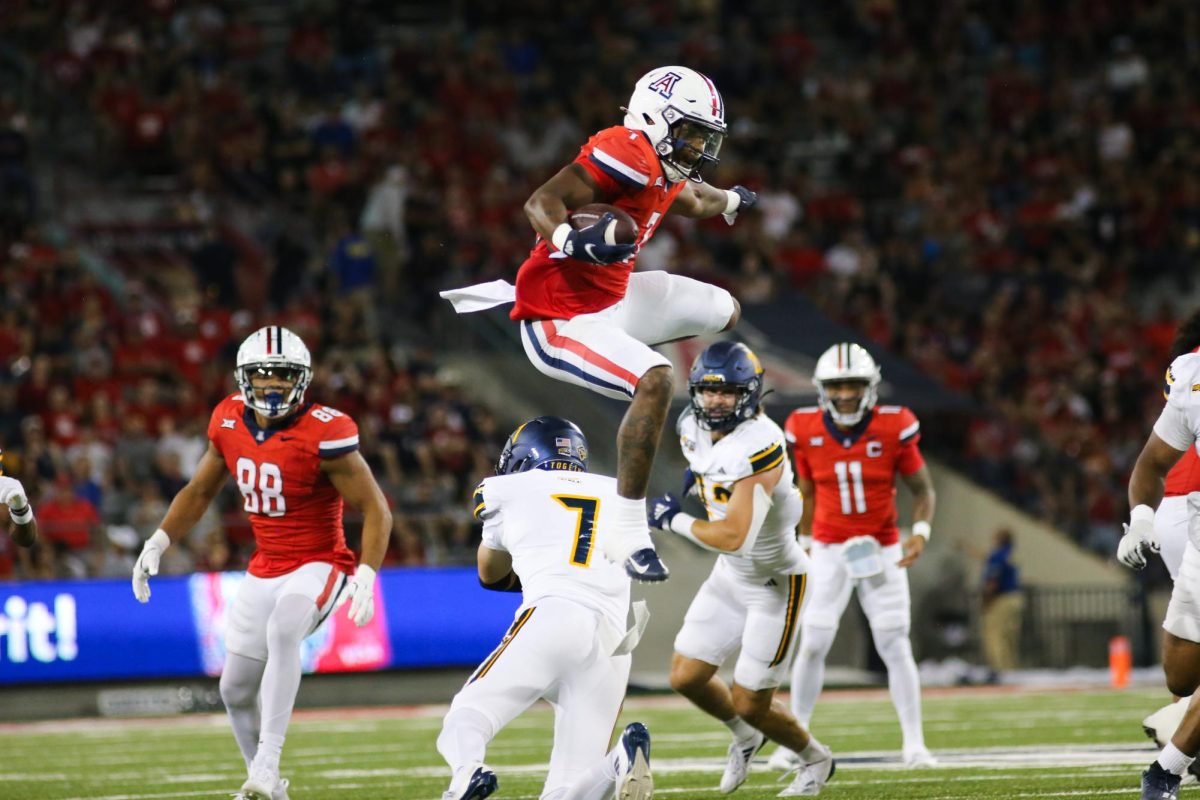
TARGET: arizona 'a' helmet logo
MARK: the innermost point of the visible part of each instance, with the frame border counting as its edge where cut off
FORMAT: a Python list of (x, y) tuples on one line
[(665, 85)]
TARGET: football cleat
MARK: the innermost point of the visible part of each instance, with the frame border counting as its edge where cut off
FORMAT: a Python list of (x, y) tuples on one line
[(281, 790), (1162, 724), (812, 777), (645, 566), (473, 783), (261, 784), (634, 781), (784, 759), (1158, 784), (737, 764), (919, 758)]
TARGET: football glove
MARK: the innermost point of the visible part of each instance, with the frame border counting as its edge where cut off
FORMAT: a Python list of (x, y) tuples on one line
[(360, 591), (12, 494), (587, 244), (740, 199), (663, 510), (689, 481), (147, 564), (1132, 549)]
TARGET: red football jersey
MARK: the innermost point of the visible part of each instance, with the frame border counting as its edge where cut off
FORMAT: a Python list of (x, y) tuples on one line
[(1184, 477), (295, 512), (628, 173), (855, 471)]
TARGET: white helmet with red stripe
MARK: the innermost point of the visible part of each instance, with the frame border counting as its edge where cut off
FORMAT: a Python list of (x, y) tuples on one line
[(682, 114), (847, 362), (273, 352)]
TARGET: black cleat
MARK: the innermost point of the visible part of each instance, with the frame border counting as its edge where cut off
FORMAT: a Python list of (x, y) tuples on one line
[(1158, 784), (645, 566)]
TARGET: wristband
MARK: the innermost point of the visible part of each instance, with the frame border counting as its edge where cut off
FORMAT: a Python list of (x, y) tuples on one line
[(22, 517), (921, 528), (366, 572), (733, 200), (160, 540), (559, 237), (682, 524), (1141, 513)]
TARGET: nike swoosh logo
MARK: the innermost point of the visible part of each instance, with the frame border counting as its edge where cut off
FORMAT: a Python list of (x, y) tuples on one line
[(588, 248), (642, 568)]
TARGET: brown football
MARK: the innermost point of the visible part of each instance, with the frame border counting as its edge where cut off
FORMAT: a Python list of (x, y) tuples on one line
[(622, 230)]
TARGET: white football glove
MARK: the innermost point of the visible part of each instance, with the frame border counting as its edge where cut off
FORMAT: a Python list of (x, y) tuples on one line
[(12, 494), (1139, 537), (147, 564), (361, 593)]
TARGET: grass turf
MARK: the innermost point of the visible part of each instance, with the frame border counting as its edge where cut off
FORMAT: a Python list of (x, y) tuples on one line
[(994, 743)]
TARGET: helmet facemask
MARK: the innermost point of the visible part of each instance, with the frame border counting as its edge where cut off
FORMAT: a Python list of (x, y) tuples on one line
[(720, 420), (270, 401), (865, 403), (689, 148)]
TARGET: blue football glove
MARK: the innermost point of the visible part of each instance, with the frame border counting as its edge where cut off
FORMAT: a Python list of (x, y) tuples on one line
[(663, 510), (689, 481), (746, 200), (587, 244)]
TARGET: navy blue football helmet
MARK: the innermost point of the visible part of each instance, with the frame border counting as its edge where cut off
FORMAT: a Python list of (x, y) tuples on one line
[(726, 364), (544, 443)]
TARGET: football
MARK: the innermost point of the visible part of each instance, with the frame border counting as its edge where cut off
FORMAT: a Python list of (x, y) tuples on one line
[(622, 230)]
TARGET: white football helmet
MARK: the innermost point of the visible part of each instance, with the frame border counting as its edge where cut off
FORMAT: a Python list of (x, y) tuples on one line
[(847, 361), (273, 351), (683, 115)]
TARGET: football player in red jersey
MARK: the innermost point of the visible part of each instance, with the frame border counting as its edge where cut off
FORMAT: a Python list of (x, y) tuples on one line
[(848, 452), (586, 317), (12, 494), (294, 462)]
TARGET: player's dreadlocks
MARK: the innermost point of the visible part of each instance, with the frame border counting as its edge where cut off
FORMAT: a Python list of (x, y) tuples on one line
[(1187, 338)]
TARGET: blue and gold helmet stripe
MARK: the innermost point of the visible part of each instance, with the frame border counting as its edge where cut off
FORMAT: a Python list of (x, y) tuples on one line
[(513, 630), (796, 586), (767, 458)]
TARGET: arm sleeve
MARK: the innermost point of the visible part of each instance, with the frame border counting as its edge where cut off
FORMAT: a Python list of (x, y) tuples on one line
[(338, 436)]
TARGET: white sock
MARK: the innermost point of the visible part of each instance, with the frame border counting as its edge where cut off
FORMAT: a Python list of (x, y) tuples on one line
[(289, 622), (742, 731), (240, 681), (597, 782), (629, 530), (464, 738), (808, 672), (904, 683), (814, 752), (1173, 760)]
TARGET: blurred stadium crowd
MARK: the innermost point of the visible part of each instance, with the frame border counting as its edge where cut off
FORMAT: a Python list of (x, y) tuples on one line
[(980, 187)]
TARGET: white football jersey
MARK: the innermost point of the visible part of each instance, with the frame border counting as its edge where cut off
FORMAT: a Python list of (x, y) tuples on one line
[(550, 522), (754, 446), (1179, 423)]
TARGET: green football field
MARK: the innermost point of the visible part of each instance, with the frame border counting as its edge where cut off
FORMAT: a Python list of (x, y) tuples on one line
[(991, 743)]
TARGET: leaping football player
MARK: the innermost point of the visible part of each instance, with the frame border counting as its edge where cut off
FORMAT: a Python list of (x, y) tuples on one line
[(544, 516), (848, 452), (22, 527), (294, 463), (737, 464), (586, 317)]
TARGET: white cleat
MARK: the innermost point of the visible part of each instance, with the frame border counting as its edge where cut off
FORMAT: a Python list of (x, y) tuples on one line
[(919, 758), (280, 792), (737, 765), (812, 777), (784, 759), (262, 784)]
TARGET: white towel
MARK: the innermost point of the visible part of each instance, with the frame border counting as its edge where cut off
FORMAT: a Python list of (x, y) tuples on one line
[(617, 643), (481, 296)]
